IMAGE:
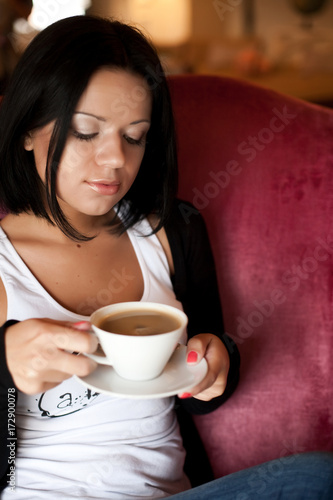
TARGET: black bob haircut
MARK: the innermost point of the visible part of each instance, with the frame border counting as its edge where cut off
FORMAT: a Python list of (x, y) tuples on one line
[(47, 84)]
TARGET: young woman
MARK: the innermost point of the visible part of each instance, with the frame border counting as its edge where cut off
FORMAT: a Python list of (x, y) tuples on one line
[(89, 174)]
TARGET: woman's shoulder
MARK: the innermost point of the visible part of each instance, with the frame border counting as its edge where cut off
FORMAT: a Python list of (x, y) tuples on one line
[(15, 224), (24, 227)]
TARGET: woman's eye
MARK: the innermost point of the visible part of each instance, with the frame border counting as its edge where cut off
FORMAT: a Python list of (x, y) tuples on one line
[(84, 137), (136, 142)]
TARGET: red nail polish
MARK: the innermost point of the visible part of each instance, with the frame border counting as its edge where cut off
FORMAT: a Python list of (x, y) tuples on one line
[(82, 325), (192, 357), (185, 395)]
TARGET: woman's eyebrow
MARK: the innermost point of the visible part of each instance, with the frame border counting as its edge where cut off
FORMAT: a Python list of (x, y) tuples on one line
[(102, 119), (140, 121)]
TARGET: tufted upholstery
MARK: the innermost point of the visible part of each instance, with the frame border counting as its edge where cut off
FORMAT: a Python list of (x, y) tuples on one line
[(259, 167)]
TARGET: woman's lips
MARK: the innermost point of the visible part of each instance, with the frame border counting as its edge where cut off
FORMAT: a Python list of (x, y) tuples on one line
[(104, 187)]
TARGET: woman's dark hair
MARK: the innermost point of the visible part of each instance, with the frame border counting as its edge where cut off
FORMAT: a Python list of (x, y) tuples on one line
[(47, 84)]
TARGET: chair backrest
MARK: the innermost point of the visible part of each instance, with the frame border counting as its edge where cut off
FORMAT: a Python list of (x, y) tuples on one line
[(259, 166)]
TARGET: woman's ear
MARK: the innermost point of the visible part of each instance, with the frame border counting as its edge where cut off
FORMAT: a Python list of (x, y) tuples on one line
[(28, 143)]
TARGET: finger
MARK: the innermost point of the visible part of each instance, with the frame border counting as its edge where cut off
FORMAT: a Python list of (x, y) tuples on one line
[(216, 378), (37, 376), (207, 391), (196, 348), (63, 335), (208, 381), (54, 377), (42, 374), (37, 387), (214, 383), (65, 363), (218, 362), (82, 325), (79, 365), (30, 382), (74, 340)]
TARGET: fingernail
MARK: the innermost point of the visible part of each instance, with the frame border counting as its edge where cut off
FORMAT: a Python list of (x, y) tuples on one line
[(185, 395), (82, 325), (192, 357)]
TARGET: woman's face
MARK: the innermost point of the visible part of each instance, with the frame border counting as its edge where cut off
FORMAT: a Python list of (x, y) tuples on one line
[(105, 145)]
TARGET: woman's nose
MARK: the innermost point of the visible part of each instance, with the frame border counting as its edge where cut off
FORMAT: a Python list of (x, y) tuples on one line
[(110, 152)]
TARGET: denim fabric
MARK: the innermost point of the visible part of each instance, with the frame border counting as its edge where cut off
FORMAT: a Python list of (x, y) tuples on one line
[(307, 476)]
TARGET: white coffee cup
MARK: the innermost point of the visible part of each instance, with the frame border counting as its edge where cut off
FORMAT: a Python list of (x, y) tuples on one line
[(141, 355)]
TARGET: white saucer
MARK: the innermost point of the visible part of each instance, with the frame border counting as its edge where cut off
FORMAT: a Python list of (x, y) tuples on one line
[(176, 378)]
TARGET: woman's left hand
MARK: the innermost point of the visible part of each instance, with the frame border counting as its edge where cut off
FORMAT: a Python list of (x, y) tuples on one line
[(210, 347)]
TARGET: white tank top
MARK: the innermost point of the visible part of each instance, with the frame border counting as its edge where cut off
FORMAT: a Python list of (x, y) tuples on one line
[(74, 442)]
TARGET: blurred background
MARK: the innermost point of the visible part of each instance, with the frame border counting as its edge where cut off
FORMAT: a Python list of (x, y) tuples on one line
[(286, 45)]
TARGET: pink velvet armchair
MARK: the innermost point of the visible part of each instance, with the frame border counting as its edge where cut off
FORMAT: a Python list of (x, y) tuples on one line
[(259, 167)]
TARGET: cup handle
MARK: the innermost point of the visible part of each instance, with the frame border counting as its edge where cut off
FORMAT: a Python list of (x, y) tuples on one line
[(99, 358)]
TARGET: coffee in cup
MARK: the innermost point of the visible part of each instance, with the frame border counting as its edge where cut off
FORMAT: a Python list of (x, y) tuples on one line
[(138, 338)]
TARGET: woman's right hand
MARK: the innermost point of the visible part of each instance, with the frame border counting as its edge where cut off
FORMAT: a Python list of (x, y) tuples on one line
[(41, 353)]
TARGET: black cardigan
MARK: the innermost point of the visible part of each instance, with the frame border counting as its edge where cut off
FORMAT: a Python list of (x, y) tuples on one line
[(195, 286)]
